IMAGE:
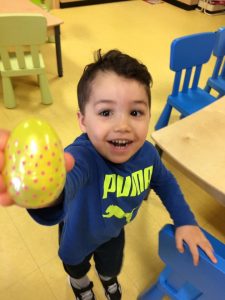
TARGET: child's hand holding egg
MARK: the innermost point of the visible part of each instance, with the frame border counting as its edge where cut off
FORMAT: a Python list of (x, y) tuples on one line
[(34, 170)]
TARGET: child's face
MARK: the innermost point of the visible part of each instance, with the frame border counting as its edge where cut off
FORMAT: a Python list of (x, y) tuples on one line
[(116, 116)]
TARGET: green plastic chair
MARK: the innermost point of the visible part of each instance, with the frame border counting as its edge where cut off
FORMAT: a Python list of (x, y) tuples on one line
[(20, 38)]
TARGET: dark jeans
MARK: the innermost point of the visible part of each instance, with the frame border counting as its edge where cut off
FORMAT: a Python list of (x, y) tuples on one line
[(108, 258)]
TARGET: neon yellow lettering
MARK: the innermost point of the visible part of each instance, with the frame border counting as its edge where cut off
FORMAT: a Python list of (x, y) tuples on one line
[(123, 186), (137, 183), (109, 185), (147, 176), (127, 186)]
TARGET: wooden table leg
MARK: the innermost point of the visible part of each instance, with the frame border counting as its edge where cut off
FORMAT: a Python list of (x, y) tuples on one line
[(58, 50)]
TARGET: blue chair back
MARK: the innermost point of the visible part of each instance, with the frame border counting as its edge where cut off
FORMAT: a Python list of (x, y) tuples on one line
[(182, 50), (217, 80), (219, 49), (180, 279), (187, 56)]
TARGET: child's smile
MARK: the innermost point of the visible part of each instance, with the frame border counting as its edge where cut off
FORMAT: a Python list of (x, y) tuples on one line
[(119, 146), (116, 116)]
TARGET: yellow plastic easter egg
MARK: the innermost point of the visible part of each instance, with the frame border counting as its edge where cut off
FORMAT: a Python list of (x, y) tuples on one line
[(34, 169)]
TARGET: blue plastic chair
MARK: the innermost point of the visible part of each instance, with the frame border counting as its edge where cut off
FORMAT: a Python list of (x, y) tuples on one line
[(180, 279), (217, 80), (187, 56)]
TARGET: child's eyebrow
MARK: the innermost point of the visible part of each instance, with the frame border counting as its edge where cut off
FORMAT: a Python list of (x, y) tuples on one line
[(108, 101), (104, 101), (141, 102)]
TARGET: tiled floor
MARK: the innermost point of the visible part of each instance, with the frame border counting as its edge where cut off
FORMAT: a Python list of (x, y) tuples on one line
[(29, 265)]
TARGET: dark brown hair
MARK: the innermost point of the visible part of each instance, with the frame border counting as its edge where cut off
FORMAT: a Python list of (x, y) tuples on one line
[(117, 62)]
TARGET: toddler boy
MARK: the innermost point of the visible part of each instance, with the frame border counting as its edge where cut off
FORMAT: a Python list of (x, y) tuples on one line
[(114, 169)]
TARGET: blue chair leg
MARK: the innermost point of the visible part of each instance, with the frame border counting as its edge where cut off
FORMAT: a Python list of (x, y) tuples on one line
[(172, 285), (207, 88), (220, 95), (164, 117), (157, 291), (154, 293)]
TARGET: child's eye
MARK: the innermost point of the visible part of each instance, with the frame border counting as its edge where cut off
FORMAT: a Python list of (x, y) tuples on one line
[(105, 113), (136, 113)]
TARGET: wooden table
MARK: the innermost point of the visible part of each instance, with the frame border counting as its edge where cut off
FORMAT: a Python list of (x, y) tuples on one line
[(196, 146), (25, 6)]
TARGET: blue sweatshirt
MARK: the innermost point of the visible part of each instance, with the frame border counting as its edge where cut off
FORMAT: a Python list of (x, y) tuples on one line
[(101, 197)]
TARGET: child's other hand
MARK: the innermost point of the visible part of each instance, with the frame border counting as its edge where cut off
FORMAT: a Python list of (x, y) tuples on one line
[(5, 198), (194, 238)]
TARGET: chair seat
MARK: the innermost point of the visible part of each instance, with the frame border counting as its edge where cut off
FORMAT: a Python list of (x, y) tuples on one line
[(15, 67), (217, 84), (190, 102)]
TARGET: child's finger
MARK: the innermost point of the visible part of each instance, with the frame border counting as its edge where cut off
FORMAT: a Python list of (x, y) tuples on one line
[(1, 160), (180, 245), (4, 135), (5, 199), (69, 161), (2, 185), (208, 249), (210, 254), (195, 254)]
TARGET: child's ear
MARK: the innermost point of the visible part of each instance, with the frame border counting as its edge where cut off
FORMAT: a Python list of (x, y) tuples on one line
[(81, 120)]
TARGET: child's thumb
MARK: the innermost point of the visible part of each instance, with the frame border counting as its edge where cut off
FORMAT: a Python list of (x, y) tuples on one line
[(69, 161)]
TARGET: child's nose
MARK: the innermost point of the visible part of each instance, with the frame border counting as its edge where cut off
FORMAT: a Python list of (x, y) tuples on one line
[(122, 123)]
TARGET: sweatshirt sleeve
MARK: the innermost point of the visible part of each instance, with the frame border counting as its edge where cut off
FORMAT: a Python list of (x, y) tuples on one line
[(167, 188), (75, 179), (51, 215)]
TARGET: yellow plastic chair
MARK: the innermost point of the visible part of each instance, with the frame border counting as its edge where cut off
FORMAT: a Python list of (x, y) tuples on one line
[(20, 38)]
